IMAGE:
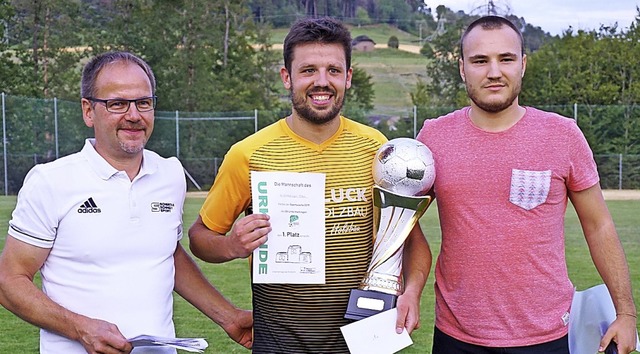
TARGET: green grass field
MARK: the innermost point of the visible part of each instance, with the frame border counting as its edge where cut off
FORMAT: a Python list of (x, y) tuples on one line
[(394, 74), (232, 279)]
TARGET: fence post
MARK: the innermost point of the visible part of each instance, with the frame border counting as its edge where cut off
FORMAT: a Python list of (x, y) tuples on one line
[(415, 121), (575, 112), (619, 171), (177, 136), (55, 125), (4, 146), (255, 118)]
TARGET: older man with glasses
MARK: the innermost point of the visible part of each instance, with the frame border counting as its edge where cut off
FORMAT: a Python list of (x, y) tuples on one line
[(103, 228)]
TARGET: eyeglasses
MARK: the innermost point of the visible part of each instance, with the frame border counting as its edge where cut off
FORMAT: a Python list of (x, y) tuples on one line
[(118, 105)]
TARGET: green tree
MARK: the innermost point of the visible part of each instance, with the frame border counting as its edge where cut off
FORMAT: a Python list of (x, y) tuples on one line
[(207, 55), (48, 47), (359, 98), (9, 78), (362, 17), (596, 70), (395, 12), (278, 13), (393, 42), (443, 86), (45, 55)]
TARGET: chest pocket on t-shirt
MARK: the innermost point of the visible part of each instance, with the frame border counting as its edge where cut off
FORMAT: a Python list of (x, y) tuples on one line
[(529, 188)]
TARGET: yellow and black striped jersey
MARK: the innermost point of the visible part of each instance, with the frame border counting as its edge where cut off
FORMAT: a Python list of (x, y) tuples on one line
[(300, 318)]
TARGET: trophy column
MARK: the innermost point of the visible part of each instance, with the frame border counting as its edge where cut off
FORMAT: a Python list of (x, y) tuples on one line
[(394, 217)]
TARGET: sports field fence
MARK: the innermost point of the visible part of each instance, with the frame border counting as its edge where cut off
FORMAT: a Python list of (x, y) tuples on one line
[(41, 130)]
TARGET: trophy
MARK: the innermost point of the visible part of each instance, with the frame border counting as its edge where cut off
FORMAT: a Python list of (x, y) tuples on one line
[(403, 174)]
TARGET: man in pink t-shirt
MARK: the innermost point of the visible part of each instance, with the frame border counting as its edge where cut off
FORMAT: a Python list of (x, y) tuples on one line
[(504, 175)]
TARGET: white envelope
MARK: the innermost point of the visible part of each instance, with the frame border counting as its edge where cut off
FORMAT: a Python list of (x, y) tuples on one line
[(376, 334)]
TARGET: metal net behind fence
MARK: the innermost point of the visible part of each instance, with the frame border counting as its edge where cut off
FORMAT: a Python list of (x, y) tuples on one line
[(200, 140), (42, 130), (37, 131), (619, 171)]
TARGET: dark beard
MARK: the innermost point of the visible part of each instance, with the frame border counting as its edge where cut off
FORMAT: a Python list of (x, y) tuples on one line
[(311, 115)]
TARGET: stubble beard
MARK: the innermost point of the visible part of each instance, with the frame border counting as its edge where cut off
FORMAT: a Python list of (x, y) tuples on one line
[(493, 106), (318, 117), (132, 148)]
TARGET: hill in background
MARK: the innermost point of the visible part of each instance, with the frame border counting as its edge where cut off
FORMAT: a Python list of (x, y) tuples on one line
[(394, 72)]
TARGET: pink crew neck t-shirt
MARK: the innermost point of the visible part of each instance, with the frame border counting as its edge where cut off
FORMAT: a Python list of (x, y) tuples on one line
[(501, 276)]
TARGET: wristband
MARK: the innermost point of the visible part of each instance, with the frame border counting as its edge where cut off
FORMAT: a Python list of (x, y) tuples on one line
[(627, 314)]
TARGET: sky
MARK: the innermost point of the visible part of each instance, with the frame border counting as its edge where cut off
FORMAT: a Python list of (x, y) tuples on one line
[(555, 16)]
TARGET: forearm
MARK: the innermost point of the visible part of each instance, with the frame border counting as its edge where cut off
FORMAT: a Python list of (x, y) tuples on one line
[(416, 261), (193, 286), (604, 245), (19, 262), (20, 296), (610, 261), (208, 245)]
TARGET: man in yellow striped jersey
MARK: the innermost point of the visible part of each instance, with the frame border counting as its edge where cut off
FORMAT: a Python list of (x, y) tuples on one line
[(305, 318)]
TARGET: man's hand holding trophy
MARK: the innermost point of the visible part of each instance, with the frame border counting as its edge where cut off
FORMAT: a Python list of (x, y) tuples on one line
[(403, 174)]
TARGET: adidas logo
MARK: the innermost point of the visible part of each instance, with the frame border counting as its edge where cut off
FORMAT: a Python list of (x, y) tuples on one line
[(89, 207)]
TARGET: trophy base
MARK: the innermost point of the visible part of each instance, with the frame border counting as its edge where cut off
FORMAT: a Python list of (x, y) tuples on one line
[(365, 303)]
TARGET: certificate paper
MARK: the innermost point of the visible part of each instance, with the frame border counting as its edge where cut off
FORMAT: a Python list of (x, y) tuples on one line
[(294, 251), (193, 345)]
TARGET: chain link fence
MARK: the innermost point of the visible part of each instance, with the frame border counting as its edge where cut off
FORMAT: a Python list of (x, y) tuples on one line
[(42, 130)]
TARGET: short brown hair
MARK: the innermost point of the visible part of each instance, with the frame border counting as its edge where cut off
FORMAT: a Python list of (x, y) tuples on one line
[(324, 30), (491, 23)]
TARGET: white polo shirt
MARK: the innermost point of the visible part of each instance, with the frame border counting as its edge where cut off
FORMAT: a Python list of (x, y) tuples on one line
[(112, 240)]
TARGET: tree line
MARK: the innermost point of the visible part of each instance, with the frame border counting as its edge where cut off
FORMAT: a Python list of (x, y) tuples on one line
[(208, 55)]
